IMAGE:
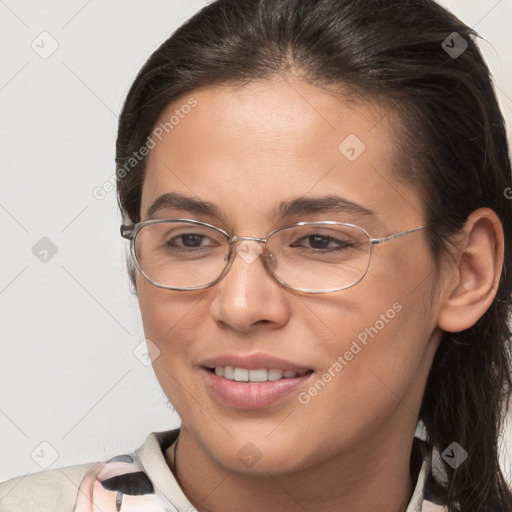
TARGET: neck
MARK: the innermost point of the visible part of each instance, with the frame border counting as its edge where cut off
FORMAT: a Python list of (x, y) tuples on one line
[(374, 475)]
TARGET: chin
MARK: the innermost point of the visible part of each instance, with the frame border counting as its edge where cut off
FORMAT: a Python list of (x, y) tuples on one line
[(250, 459)]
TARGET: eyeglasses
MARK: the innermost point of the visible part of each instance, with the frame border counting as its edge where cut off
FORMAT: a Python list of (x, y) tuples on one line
[(311, 257)]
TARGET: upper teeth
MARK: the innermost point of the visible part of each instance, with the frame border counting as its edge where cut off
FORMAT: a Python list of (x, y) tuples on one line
[(245, 375)]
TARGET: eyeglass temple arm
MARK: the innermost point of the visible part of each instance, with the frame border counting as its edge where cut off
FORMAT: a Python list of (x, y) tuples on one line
[(395, 235), (127, 231)]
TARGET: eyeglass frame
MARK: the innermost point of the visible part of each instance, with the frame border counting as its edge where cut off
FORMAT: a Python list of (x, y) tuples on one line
[(130, 231)]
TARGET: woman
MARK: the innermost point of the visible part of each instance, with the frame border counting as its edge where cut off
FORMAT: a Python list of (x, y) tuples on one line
[(315, 195)]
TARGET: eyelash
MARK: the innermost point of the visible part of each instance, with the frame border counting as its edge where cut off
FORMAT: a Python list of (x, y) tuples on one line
[(343, 243)]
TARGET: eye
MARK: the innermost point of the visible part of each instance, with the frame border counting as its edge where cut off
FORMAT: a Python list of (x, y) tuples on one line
[(319, 242), (189, 240), (185, 238)]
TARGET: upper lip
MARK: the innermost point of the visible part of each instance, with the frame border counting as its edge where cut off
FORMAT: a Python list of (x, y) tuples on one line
[(254, 362)]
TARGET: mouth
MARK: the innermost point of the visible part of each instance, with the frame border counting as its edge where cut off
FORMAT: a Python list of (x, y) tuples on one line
[(244, 388), (258, 375)]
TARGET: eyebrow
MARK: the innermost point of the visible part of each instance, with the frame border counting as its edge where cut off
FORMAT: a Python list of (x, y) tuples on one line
[(331, 203)]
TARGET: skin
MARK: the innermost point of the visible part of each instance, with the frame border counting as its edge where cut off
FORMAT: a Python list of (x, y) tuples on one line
[(245, 149)]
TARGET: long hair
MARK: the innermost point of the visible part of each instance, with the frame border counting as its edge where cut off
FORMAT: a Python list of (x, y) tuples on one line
[(424, 62)]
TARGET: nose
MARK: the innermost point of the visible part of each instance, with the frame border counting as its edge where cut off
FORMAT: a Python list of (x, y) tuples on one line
[(248, 294)]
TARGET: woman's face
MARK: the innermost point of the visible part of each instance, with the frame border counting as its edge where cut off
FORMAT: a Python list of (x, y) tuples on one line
[(246, 150)]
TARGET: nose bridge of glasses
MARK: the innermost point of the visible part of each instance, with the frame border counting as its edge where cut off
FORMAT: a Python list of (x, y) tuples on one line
[(236, 238), (250, 252)]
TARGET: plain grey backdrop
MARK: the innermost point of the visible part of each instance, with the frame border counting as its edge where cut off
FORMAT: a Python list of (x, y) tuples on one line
[(75, 386)]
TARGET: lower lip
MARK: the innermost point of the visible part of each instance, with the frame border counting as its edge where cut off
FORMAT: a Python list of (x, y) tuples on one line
[(252, 395)]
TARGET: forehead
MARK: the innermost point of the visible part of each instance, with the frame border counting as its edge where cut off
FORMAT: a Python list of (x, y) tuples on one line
[(247, 148)]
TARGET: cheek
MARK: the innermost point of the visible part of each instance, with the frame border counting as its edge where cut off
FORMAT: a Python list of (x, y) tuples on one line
[(376, 352), (164, 315), (169, 319), (369, 373), (166, 312)]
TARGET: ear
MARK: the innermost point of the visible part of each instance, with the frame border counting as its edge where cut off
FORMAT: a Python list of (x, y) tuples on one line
[(474, 276)]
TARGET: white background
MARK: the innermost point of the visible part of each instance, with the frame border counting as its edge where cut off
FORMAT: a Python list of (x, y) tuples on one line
[(68, 375)]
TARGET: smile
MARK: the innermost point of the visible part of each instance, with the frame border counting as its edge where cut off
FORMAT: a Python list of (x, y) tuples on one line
[(259, 375), (252, 389)]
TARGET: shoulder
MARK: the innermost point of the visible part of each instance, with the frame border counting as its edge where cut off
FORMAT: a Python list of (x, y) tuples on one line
[(52, 490), (122, 479)]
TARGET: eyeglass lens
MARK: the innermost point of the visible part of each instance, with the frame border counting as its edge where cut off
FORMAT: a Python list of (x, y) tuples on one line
[(313, 257)]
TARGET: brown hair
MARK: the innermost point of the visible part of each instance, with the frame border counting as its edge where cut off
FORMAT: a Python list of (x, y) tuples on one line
[(393, 51)]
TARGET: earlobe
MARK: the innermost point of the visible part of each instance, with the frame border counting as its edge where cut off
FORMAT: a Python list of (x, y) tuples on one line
[(476, 275)]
